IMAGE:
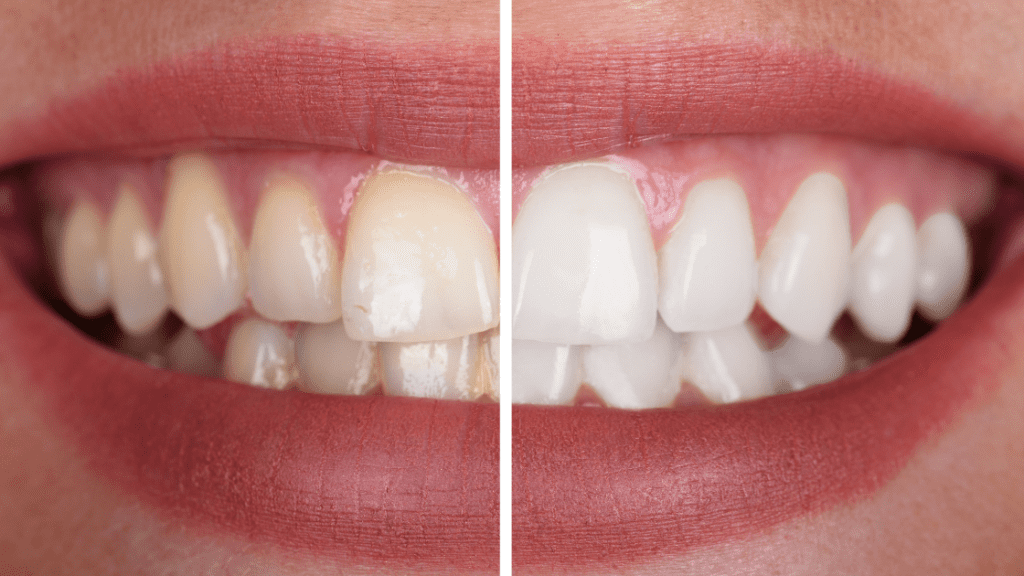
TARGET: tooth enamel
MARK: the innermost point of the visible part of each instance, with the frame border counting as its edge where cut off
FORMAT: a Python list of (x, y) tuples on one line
[(82, 265), (136, 281), (805, 266), (260, 353), (488, 373), (200, 250), (584, 269), (707, 267), (333, 363), (294, 272), (545, 373), (187, 353), (727, 365), (637, 375), (802, 364), (884, 274), (420, 264), (443, 369), (944, 265)]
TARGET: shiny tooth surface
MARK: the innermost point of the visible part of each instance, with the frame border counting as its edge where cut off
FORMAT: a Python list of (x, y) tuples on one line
[(707, 267), (584, 270), (136, 281), (801, 364), (187, 353), (333, 363), (944, 265), (883, 280), (444, 369), (84, 275), (805, 266), (728, 365), (544, 373), (200, 250), (260, 353), (420, 263), (294, 272), (637, 375)]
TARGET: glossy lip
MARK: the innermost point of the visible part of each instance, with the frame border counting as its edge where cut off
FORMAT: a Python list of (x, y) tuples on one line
[(686, 479)]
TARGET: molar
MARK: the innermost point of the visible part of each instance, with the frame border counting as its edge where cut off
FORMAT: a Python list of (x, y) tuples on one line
[(136, 280), (82, 266)]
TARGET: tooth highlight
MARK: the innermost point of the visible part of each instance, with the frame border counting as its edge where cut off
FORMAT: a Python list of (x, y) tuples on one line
[(333, 363), (260, 353), (944, 268), (136, 280), (637, 375), (883, 281), (728, 365), (545, 373), (801, 364), (444, 369), (82, 265)]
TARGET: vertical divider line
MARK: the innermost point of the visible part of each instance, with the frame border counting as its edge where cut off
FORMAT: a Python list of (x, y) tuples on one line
[(505, 236)]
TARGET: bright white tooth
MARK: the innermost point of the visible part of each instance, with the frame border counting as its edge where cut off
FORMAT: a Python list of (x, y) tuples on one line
[(708, 267), (443, 369), (420, 263), (136, 281), (187, 353), (883, 279), (294, 273), (545, 373), (944, 265), (802, 364), (260, 353), (83, 267), (805, 266), (637, 375), (200, 250), (584, 269), (728, 365), (333, 363)]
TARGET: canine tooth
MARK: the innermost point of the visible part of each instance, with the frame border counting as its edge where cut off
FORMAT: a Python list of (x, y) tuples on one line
[(584, 269), (802, 364), (944, 265), (708, 266), (294, 272), (805, 266), (333, 363), (637, 375), (187, 353), (420, 264), (544, 373), (443, 369), (136, 281), (727, 365), (83, 267), (883, 276), (260, 353), (200, 250)]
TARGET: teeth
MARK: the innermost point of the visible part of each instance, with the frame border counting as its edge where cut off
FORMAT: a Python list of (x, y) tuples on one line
[(444, 369), (136, 281), (802, 364), (420, 264), (199, 245), (584, 269), (545, 373), (293, 269), (260, 353), (186, 353), (883, 280), (333, 363), (728, 365), (488, 373), (944, 267), (82, 266), (805, 266), (635, 376), (708, 265)]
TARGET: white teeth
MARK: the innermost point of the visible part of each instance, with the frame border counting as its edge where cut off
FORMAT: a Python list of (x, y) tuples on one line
[(260, 353), (333, 363), (584, 269), (200, 250), (82, 263), (883, 282), (420, 264), (545, 373), (801, 364), (444, 369), (294, 272), (805, 266), (728, 365), (708, 265), (944, 265), (136, 281), (636, 376)]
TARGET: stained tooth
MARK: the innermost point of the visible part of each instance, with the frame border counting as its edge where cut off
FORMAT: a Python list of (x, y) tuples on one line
[(187, 353), (883, 277), (82, 265), (260, 353), (636, 376), (420, 264), (584, 269), (805, 266), (294, 273), (802, 364), (545, 373), (443, 369), (707, 267), (200, 250), (944, 265), (488, 378), (727, 365), (333, 363), (136, 281)]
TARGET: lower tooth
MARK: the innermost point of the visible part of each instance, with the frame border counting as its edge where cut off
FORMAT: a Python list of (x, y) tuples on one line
[(802, 364), (260, 353), (545, 373), (333, 363), (82, 263), (728, 365), (444, 369), (187, 353), (636, 376), (944, 265)]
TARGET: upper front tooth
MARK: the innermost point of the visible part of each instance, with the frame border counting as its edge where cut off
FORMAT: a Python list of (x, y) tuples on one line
[(420, 264), (805, 266), (136, 281), (444, 369), (260, 353), (82, 263), (637, 375), (883, 280), (293, 264), (545, 373), (707, 267), (200, 250), (584, 269), (944, 267), (728, 365)]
